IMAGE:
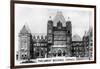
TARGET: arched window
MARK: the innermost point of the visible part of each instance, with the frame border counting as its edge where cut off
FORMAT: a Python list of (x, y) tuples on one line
[(42, 53), (54, 53), (59, 53), (37, 52), (64, 53)]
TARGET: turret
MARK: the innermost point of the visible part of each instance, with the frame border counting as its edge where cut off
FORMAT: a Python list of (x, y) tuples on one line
[(50, 26), (69, 31), (25, 43), (69, 27), (50, 30)]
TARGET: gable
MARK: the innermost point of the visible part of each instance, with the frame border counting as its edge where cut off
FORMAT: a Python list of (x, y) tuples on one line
[(59, 17)]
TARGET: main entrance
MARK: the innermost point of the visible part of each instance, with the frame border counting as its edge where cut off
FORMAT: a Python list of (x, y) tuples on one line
[(59, 53), (40, 52)]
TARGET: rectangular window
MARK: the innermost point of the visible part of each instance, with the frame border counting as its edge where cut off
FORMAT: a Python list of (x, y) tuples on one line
[(59, 42)]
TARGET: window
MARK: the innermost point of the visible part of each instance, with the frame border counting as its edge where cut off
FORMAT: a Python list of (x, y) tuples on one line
[(68, 32), (50, 31), (17, 57), (37, 54), (59, 42), (59, 53), (38, 44), (22, 57), (91, 44), (24, 44), (54, 53), (64, 53)]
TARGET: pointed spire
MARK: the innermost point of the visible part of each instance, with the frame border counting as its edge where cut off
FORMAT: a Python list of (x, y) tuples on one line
[(25, 30), (59, 13), (85, 34), (90, 31)]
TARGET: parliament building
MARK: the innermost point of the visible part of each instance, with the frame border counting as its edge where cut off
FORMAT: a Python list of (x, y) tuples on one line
[(58, 42)]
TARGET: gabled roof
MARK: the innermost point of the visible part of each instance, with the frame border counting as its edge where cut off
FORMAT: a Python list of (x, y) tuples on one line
[(25, 30), (59, 17)]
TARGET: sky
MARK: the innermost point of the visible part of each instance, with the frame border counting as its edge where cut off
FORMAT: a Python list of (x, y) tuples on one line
[(36, 18)]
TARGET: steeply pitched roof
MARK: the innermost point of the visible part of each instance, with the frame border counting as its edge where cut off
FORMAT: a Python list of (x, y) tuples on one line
[(90, 32), (25, 30), (59, 17)]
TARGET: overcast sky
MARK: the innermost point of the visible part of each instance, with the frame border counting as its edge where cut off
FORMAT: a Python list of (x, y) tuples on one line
[(36, 18)]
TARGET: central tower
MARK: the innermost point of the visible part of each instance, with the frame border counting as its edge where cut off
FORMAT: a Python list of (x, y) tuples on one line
[(59, 32)]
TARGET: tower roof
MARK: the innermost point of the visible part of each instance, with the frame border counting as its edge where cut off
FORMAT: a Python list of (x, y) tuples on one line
[(76, 38), (90, 32), (25, 30), (86, 34), (59, 17)]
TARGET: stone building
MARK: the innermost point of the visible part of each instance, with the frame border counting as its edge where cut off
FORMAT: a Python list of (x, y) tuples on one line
[(88, 43), (40, 46), (25, 44), (59, 33), (77, 48), (58, 42)]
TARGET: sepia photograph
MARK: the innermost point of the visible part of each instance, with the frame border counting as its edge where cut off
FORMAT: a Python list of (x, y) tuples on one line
[(47, 34)]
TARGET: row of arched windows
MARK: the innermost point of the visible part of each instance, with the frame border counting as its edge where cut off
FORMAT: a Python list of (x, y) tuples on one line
[(59, 53)]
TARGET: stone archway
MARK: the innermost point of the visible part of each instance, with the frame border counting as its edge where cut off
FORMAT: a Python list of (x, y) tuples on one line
[(40, 53), (59, 53)]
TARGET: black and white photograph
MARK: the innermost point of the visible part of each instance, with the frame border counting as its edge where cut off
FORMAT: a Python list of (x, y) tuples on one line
[(47, 34)]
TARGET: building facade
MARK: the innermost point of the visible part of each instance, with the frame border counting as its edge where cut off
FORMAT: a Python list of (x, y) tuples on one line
[(88, 43), (57, 43), (40, 46), (25, 44), (77, 49), (59, 33)]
